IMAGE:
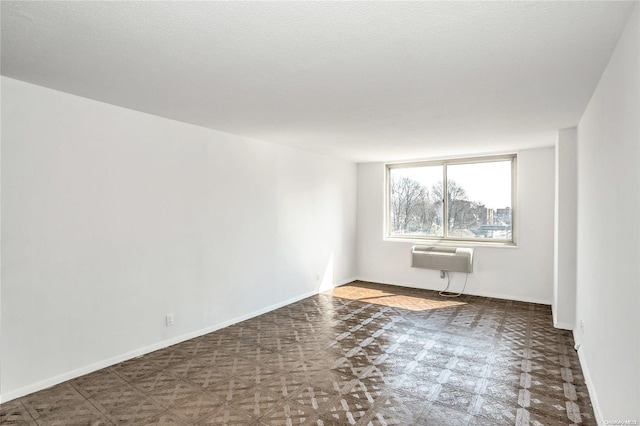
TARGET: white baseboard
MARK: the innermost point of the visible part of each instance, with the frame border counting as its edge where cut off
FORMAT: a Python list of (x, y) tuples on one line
[(560, 324), (52, 381), (563, 326), (345, 282), (470, 293), (589, 382)]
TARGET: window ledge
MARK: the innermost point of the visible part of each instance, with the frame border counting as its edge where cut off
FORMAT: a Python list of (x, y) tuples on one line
[(452, 243)]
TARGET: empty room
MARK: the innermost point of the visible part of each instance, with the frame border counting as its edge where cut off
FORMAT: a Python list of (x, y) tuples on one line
[(320, 213)]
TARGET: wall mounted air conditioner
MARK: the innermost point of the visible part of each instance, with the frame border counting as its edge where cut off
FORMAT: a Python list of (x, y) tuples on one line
[(442, 258)]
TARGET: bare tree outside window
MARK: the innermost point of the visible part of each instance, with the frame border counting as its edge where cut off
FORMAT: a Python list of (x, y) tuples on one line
[(413, 208)]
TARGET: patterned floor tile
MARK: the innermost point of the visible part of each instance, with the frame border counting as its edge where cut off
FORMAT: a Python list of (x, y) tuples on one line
[(313, 396), (153, 381), (135, 368), (230, 390), (379, 417), (333, 381), (215, 357), (422, 372), (308, 369), (399, 406), (379, 376), (257, 402), (408, 384), (274, 342), (256, 354), (439, 415), (62, 404), (324, 359), (165, 357), (241, 346), (14, 413), (205, 376), (111, 399), (495, 410), (280, 362), (361, 391), (230, 334), (187, 368), (196, 406), (362, 354), (164, 419), (95, 383), (468, 366), (230, 365), (507, 376), (138, 412), (474, 354), (460, 380), (426, 357), (344, 410), (84, 414), (49, 401), (228, 416), (193, 347), (485, 421), (256, 375), (493, 389), (284, 385), (289, 413), (454, 398)]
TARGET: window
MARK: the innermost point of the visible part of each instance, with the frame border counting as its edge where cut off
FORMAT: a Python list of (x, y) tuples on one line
[(480, 194)]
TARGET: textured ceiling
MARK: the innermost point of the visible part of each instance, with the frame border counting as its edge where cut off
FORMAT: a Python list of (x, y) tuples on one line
[(357, 80)]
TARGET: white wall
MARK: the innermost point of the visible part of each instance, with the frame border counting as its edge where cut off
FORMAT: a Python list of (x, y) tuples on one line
[(564, 267), (113, 218), (523, 273), (608, 280)]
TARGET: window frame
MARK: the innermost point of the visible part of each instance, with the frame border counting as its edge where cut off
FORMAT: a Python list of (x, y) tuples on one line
[(444, 240)]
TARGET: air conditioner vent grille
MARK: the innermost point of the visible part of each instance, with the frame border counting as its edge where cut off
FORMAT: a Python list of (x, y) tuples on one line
[(452, 259)]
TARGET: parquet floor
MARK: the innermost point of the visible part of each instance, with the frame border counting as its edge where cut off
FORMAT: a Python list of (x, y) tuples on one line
[(365, 354)]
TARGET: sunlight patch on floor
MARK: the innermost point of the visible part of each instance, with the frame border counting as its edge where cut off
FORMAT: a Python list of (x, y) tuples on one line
[(401, 301)]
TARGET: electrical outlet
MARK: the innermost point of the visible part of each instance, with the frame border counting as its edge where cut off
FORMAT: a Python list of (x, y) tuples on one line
[(442, 274), (581, 327), (170, 320), (317, 277)]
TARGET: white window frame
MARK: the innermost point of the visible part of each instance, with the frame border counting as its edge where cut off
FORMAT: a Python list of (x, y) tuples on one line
[(513, 157)]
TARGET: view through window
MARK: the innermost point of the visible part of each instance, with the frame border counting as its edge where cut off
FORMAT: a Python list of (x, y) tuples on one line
[(478, 202)]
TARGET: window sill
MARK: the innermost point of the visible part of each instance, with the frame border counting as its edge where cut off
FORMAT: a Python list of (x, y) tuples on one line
[(452, 243)]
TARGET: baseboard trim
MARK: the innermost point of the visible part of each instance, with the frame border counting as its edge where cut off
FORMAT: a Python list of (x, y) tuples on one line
[(482, 294), (589, 382), (563, 326), (47, 383), (347, 281)]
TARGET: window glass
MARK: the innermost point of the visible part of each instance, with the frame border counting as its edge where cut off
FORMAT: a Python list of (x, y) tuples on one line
[(479, 197), (415, 207), (477, 205)]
